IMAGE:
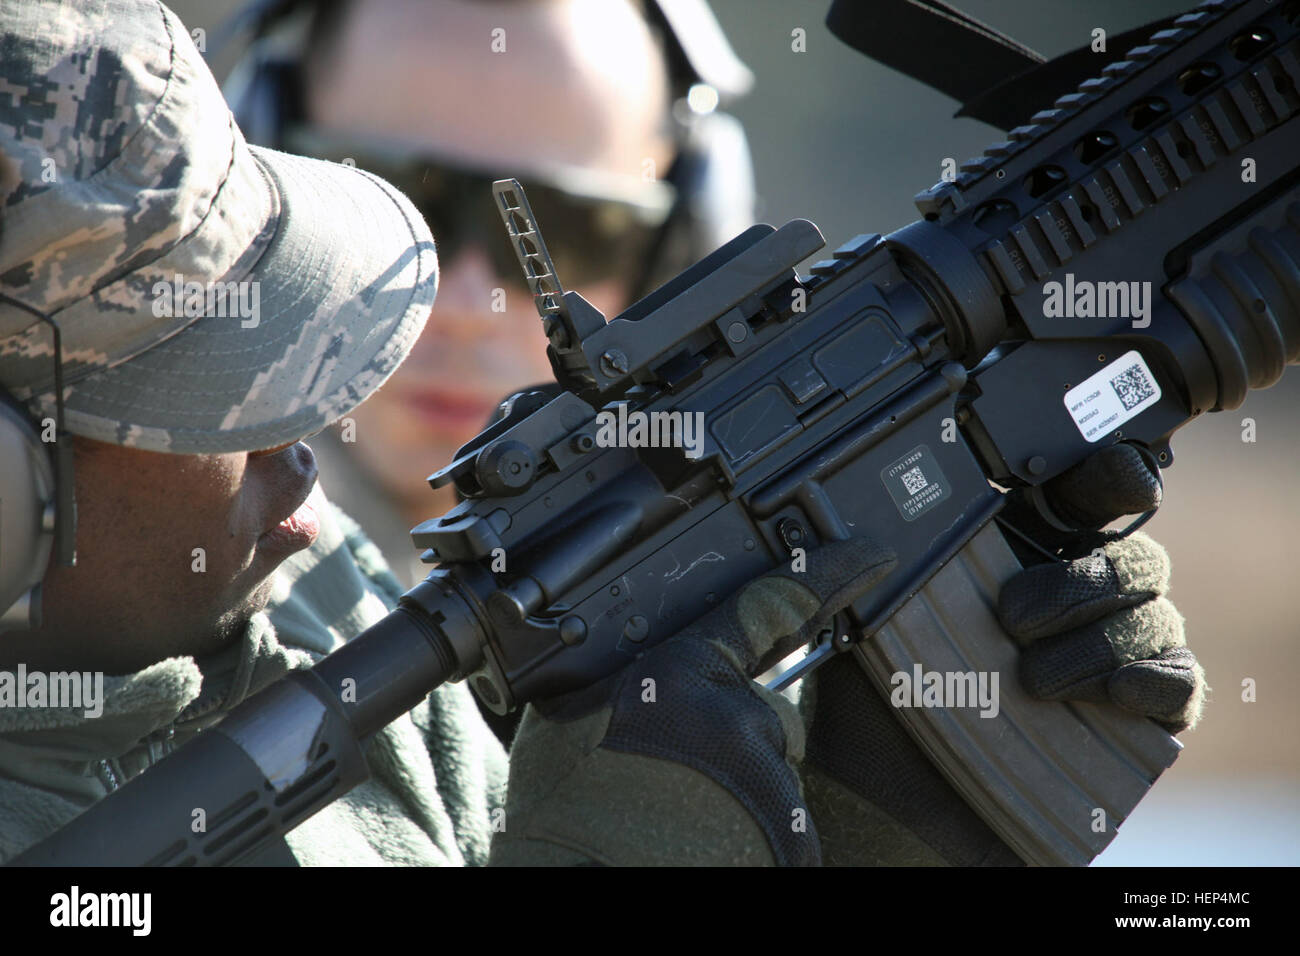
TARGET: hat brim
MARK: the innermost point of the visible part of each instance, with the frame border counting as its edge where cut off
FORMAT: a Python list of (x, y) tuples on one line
[(332, 308)]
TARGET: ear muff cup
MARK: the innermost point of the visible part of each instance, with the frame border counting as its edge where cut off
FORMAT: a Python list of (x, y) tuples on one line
[(27, 516)]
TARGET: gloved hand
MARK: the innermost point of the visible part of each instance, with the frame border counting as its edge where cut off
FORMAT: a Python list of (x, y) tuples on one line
[(682, 757), (1099, 626)]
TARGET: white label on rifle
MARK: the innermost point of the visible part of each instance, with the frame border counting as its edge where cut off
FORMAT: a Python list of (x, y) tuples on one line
[(1123, 389)]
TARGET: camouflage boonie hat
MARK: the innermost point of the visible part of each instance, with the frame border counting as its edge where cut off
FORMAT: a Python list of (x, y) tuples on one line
[(212, 296)]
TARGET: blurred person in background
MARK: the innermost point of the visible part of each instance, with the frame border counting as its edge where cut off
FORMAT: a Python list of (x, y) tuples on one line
[(606, 110)]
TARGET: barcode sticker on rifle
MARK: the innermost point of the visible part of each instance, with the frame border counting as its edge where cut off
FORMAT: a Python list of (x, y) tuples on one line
[(915, 482), (1123, 389)]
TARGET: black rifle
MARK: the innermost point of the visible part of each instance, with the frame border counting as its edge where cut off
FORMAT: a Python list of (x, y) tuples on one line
[(885, 391)]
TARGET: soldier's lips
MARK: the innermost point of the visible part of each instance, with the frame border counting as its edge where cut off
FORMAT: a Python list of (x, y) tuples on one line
[(293, 534), (452, 411)]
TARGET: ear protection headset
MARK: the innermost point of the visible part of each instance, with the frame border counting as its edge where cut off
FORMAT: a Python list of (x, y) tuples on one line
[(712, 173), (37, 506)]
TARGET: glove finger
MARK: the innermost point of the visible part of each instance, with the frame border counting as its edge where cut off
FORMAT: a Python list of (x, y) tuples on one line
[(1169, 688), (1055, 598), (1074, 666), (1078, 665), (1144, 632), (1112, 482), (771, 616)]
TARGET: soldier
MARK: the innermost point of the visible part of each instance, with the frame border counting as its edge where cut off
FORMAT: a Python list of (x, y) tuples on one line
[(633, 168), (127, 190)]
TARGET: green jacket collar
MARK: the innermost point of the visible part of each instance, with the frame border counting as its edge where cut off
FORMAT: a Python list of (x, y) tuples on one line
[(176, 696)]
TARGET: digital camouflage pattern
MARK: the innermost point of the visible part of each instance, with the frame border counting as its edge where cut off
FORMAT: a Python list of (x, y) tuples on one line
[(123, 178)]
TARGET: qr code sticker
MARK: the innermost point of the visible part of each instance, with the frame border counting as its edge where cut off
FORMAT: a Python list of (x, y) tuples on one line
[(913, 480), (1132, 386)]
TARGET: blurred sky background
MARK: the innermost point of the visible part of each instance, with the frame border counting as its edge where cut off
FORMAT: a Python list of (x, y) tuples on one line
[(847, 143)]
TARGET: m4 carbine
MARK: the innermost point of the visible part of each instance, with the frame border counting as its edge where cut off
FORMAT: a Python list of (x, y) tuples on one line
[(999, 340)]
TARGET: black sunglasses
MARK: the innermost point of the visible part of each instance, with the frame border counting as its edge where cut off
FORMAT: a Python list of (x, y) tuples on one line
[(590, 237)]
